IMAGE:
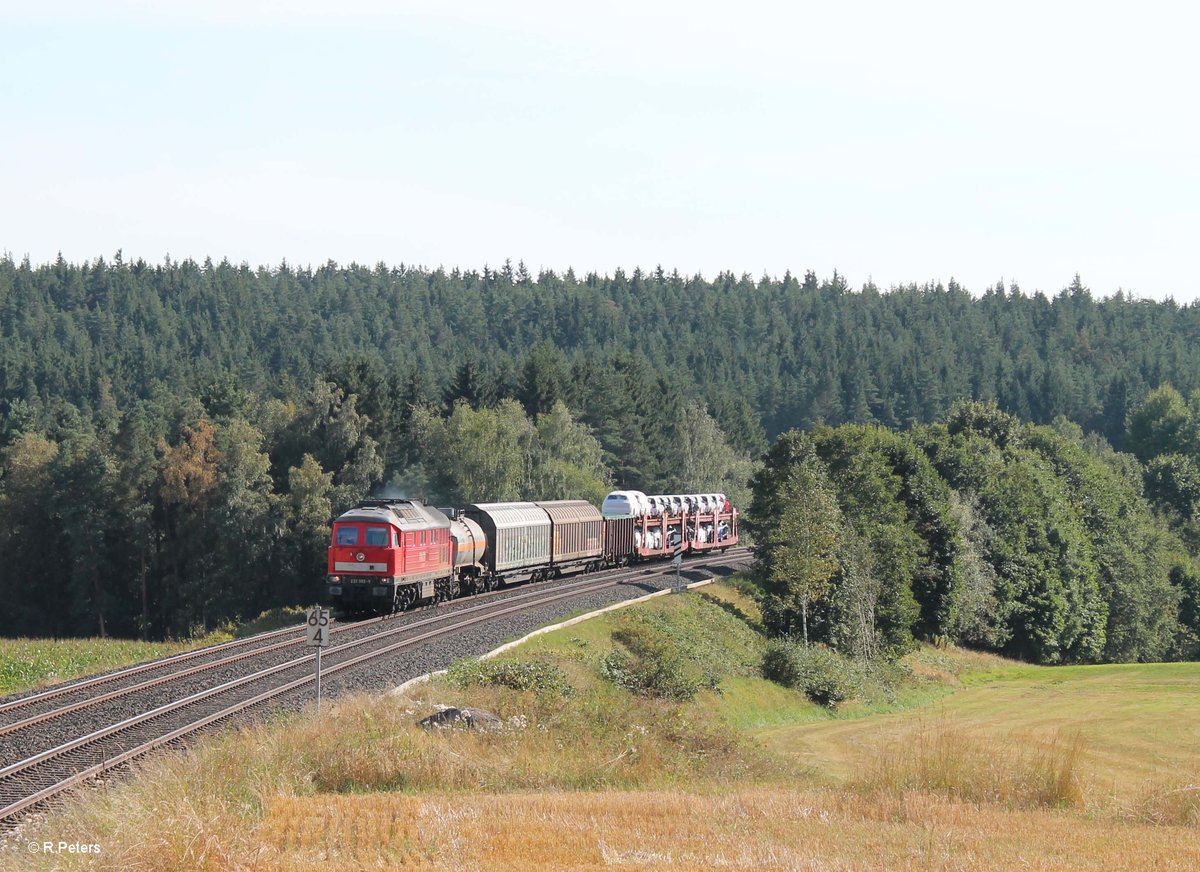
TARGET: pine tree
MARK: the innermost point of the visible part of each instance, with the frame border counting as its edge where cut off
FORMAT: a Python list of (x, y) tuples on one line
[(471, 386), (543, 379)]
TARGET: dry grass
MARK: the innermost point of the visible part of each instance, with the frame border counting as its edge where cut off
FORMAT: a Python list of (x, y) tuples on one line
[(701, 828), (950, 665), (1021, 768), (746, 828), (947, 760), (608, 780), (199, 811), (1173, 803)]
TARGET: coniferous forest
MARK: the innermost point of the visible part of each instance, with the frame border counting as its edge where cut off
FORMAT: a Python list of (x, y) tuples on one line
[(1018, 472)]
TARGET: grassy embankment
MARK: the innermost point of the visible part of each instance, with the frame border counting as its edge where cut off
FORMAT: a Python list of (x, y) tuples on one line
[(969, 762)]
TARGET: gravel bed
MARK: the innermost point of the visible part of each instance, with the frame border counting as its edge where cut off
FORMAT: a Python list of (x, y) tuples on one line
[(370, 676), (211, 654), (207, 655), (385, 673)]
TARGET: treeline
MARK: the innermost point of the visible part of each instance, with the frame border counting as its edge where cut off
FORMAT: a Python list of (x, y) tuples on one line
[(175, 438), (762, 355), (180, 513), (1031, 540)]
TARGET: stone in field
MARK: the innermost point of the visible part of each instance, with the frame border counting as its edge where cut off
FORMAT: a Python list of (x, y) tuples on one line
[(475, 719)]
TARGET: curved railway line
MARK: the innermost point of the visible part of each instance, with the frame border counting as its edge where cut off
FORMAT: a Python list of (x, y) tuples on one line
[(55, 740)]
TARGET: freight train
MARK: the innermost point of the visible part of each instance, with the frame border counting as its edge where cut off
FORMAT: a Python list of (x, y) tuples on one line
[(388, 555)]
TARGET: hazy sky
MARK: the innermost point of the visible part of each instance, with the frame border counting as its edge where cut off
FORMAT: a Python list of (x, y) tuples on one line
[(899, 142)]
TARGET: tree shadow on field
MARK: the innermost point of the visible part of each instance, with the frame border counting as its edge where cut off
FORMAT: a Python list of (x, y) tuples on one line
[(648, 587), (732, 609), (725, 571)]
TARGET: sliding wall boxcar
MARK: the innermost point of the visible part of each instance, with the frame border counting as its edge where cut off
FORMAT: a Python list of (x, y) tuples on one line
[(518, 535), (577, 531)]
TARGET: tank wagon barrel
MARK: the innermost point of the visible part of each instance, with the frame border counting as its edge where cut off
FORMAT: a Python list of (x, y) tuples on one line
[(468, 547)]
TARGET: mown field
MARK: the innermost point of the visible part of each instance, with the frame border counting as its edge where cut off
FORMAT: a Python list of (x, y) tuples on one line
[(1131, 726), (646, 739)]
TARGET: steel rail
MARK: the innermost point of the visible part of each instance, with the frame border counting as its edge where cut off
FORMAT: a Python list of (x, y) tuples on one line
[(173, 660), (542, 597), (90, 702), (109, 677), (186, 656)]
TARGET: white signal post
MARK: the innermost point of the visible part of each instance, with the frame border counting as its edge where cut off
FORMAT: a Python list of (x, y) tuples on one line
[(318, 637)]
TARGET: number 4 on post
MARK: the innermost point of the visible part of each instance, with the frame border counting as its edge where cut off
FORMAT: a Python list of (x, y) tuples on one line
[(318, 637)]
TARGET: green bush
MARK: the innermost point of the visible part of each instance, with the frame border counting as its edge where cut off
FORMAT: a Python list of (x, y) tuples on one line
[(535, 675), (649, 676), (653, 666), (823, 675)]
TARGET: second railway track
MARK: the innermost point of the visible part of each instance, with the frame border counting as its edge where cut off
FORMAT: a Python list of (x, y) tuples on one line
[(60, 738)]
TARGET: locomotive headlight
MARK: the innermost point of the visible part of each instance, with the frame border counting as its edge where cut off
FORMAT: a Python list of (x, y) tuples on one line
[(335, 579)]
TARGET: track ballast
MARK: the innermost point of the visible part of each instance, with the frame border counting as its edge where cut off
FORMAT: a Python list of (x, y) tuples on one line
[(54, 740)]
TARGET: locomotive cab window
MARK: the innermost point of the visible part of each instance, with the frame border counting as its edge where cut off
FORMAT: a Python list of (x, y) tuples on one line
[(347, 535), (377, 536)]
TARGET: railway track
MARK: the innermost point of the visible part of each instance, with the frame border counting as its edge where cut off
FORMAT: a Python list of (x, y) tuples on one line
[(71, 734)]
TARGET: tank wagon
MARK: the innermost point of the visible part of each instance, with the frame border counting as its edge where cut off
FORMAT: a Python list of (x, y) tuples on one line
[(388, 555)]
